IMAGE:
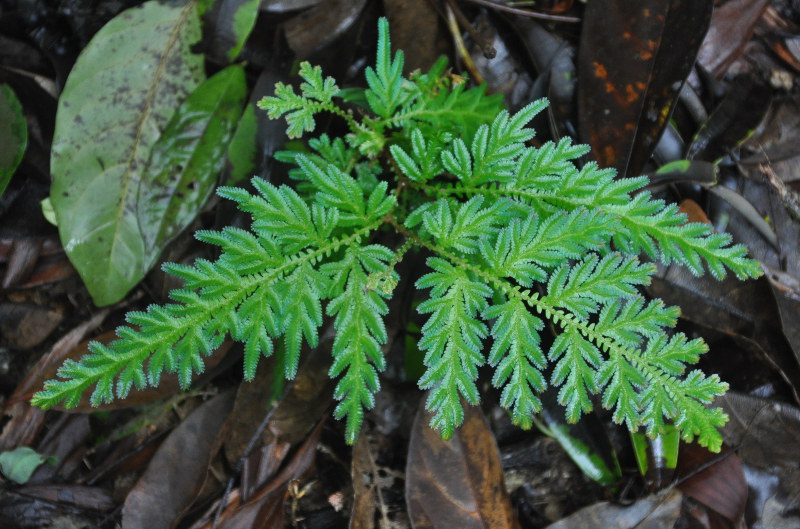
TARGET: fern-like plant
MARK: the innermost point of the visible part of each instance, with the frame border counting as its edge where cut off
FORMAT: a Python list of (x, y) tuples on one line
[(517, 236)]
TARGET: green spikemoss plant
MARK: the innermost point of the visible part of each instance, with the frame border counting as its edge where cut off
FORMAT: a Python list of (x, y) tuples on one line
[(518, 236)]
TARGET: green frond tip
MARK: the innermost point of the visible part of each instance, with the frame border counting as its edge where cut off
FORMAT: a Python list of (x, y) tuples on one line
[(386, 92), (316, 95)]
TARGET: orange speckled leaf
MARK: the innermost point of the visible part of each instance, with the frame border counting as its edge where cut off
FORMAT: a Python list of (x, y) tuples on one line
[(633, 59)]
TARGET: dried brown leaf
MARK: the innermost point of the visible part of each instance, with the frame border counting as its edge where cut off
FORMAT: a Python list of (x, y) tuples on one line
[(715, 480), (457, 483), (732, 25)]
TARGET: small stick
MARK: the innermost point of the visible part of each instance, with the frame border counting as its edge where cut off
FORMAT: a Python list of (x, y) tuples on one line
[(488, 50), (526, 12), (452, 24)]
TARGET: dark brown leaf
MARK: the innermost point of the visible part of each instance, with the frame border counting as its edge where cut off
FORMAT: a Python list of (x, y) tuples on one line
[(66, 440), (765, 434), (632, 62), (334, 17), (265, 509), (775, 138), (177, 471), (308, 396), (457, 483), (364, 493), (21, 260), (715, 480), (93, 498), (731, 27), (786, 290), (374, 485), (553, 56), (25, 325), (739, 112), (416, 31), (252, 403)]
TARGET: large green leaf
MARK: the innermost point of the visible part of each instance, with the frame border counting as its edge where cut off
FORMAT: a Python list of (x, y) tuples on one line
[(187, 158), (13, 134), (118, 99)]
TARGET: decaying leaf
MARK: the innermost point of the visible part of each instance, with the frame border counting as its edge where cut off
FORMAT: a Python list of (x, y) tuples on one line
[(458, 483)]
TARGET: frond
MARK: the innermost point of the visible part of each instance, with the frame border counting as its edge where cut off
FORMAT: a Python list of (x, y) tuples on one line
[(302, 314), (581, 288), (447, 107), (520, 235), (338, 190), (385, 81), (360, 332), (494, 148), (577, 360), (644, 225), (528, 250), (662, 232), (461, 226), (219, 299), (518, 359), (630, 321), (424, 162), (452, 341)]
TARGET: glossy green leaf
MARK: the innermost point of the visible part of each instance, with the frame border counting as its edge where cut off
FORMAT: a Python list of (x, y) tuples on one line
[(585, 442), (119, 97), (187, 159), (13, 135)]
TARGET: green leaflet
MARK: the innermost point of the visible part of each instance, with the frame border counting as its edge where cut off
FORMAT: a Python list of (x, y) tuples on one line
[(521, 242)]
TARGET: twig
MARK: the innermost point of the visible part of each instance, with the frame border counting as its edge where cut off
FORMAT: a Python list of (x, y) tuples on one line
[(789, 197), (526, 12), (461, 49), (488, 50)]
